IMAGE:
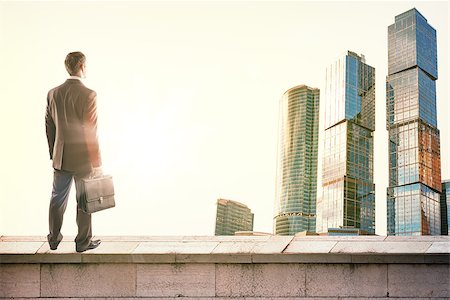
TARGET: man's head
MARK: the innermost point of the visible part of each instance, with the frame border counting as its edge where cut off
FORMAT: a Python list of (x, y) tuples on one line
[(75, 64)]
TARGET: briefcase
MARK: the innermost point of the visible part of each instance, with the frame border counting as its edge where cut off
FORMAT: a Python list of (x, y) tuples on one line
[(98, 194)]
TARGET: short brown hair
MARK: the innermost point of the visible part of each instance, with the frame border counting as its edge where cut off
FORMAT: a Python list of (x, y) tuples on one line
[(74, 61)]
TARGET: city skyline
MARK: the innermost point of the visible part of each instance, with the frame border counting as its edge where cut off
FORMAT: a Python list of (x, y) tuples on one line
[(188, 101)]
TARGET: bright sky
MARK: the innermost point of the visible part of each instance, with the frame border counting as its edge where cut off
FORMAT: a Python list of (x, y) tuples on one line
[(188, 96)]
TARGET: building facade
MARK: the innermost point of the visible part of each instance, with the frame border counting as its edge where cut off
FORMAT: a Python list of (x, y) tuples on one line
[(445, 208), (296, 179), (348, 198), (232, 216), (413, 205)]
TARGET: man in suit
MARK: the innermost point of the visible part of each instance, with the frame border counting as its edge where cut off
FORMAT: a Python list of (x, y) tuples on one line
[(71, 127)]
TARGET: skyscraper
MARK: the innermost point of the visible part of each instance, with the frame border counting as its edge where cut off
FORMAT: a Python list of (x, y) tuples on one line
[(348, 199), (232, 216), (414, 150), (296, 181), (445, 208)]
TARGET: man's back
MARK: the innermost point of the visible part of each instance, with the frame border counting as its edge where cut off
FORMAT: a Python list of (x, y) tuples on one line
[(71, 124)]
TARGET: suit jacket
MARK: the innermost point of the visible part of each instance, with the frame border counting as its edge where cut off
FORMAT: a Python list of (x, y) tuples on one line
[(71, 126)]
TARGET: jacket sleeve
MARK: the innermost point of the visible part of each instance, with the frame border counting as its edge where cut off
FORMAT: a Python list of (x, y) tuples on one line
[(90, 130), (50, 126)]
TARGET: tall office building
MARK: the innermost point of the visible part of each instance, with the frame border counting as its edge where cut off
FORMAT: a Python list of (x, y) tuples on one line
[(232, 216), (296, 179), (348, 199), (413, 206), (445, 208)]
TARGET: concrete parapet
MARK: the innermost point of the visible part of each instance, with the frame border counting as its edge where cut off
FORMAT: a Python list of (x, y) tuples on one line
[(252, 267)]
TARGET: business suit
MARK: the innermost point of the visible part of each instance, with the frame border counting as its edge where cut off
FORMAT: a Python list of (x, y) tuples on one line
[(71, 127)]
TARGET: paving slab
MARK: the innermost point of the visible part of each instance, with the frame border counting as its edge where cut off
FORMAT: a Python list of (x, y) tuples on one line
[(22, 238), (439, 247), (139, 238), (422, 238), (63, 247), (310, 246), (22, 247), (214, 258), (384, 247), (276, 244), (234, 247), (228, 238), (176, 247), (107, 247), (340, 238)]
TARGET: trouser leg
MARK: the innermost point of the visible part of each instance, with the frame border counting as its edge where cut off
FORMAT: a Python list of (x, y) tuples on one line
[(62, 182), (83, 220)]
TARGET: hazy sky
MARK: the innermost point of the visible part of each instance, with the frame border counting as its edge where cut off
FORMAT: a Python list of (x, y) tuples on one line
[(188, 96)]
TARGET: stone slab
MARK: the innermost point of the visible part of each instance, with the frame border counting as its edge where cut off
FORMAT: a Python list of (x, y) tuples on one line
[(228, 238), (63, 248), (130, 258), (214, 258), (279, 280), (19, 280), (346, 280), (139, 238), (234, 280), (439, 248), (88, 280), (175, 280), (275, 244), (359, 238), (176, 247), (23, 238), (419, 280), (234, 247), (309, 246), (22, 247), (301, 258), (242, 244), (260, 280), (106, 247), (423, 238), (384, 247)]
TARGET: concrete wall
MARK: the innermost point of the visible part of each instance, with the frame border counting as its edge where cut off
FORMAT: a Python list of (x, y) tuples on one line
[(219, 267)]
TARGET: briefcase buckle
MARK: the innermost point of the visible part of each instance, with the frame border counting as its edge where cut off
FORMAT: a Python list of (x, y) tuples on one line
[(101, 199)]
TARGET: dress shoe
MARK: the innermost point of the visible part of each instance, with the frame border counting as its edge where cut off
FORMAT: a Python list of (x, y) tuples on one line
[(54, 245), (92, 245)]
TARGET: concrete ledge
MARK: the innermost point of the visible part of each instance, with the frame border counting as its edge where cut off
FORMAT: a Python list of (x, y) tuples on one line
[(263, 267), (231, 249)]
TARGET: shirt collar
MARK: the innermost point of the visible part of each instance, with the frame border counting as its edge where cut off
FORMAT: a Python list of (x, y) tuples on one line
[(76, 77)]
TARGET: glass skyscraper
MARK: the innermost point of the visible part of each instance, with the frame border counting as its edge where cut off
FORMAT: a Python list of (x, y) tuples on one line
[(296, 179), (413, 206), (348, 199), (445, 208), (232, 216)]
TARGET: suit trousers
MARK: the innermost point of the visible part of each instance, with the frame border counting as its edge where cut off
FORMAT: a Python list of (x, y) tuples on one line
[(62, 182)]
